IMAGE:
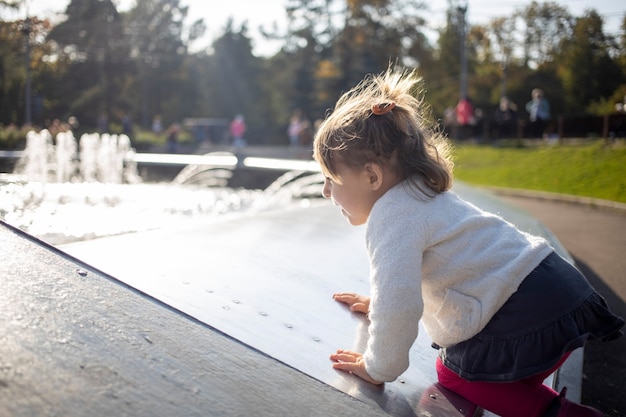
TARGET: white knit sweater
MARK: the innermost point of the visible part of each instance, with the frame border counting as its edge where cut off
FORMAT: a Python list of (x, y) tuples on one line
[(441, 260)]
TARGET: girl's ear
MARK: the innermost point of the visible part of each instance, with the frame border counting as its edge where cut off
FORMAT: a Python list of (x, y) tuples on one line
[(374, 175)]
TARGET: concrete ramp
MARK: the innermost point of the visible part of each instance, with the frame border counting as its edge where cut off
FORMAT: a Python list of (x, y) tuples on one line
[(77, 342)]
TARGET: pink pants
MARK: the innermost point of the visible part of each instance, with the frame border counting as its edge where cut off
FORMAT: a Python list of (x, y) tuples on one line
[(524, 398)]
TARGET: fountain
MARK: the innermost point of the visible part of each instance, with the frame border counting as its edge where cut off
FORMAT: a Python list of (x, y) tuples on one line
[(79, 190), (102, 158)]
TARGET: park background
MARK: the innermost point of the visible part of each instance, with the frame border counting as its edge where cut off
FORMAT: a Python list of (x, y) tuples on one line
[(96, 65)]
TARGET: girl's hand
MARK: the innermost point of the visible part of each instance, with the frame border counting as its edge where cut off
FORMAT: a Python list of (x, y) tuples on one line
[(352, 362), (357, 303)]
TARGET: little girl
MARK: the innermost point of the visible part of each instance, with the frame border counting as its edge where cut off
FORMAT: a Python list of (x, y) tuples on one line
[(503, 308)]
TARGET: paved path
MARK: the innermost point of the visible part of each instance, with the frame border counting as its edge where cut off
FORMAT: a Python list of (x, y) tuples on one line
[(596, 238)]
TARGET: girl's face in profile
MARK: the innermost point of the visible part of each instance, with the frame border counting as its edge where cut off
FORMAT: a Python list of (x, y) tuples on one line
[(351, 190)]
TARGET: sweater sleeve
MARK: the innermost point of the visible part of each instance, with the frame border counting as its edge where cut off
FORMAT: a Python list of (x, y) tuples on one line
[(396, 306)]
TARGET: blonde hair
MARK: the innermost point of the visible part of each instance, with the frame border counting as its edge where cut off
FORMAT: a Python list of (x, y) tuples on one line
[(384, 119)]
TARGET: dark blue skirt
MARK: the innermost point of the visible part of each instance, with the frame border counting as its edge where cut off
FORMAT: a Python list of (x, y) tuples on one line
[(554, 311)]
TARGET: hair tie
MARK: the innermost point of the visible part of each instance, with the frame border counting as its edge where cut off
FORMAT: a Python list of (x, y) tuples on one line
[(383, 108)]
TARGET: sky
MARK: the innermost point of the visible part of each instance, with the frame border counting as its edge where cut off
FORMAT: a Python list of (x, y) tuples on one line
[(267, 12)]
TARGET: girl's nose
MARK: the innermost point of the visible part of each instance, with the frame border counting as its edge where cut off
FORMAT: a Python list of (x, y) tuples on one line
[(326, 188)]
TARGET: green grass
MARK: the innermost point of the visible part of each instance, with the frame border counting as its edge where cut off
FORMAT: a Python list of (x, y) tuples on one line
[(591, 169)]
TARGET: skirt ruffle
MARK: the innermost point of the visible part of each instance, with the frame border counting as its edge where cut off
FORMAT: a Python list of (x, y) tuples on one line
[(508, 349)]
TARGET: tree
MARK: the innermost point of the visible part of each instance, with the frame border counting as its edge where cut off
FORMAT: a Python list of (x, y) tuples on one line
[(621, 49), (443, 78), (502, 32), (310, 35), (156, 33), (343, 41), (309, 21), (235, 82), (588, 71), (15, 57), (93, 51), (546, 26), (12, 71), (377, 33)]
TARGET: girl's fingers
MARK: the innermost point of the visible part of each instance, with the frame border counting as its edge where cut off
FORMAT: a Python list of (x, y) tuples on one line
[(345, 356), (359, 308), (344, 296), (348, 352), (346, 366)]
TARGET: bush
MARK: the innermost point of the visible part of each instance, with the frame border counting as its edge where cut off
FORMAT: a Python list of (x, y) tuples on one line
[(12, 138)]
